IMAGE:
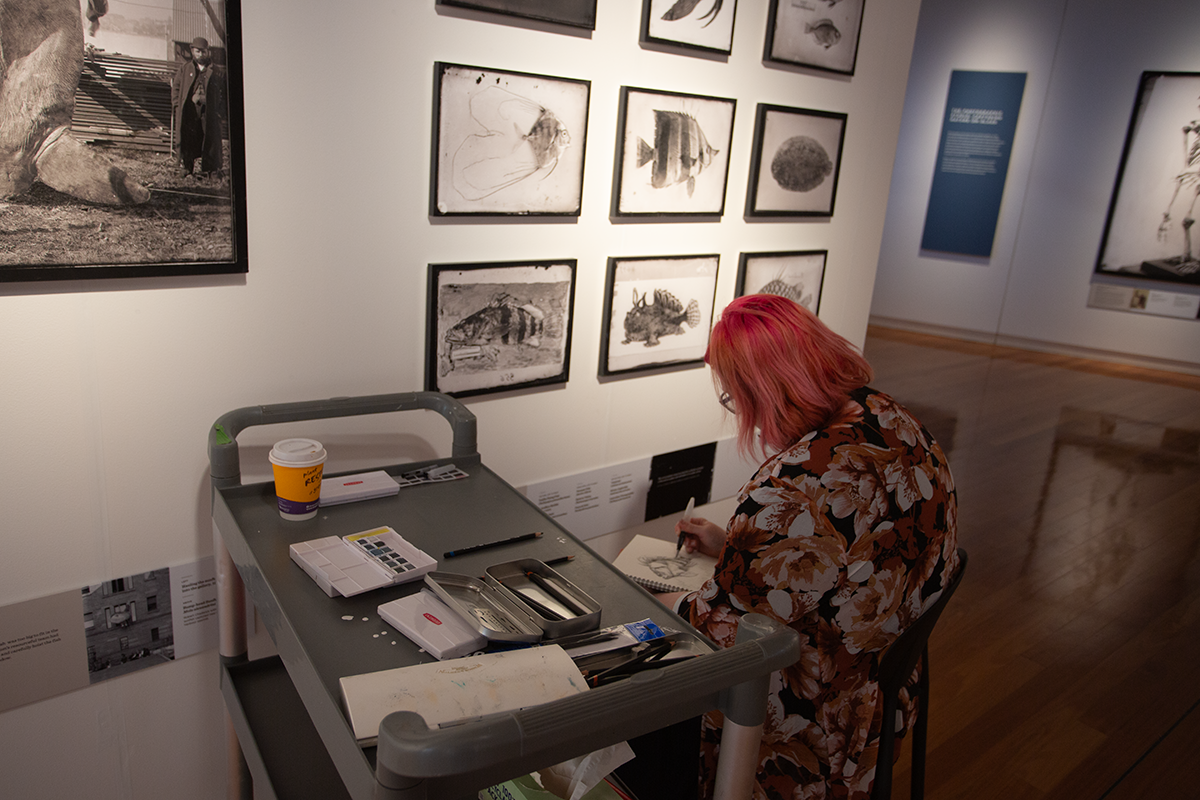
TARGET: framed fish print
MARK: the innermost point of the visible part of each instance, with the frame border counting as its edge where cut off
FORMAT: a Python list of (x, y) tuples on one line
[(500, 326), (672, 153), (795, 162), (507, 142), (695, 24), (821, 34), (576, 13), (657, 312), (796, 275)]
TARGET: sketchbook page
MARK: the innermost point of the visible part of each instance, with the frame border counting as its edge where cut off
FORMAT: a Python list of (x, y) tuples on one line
[(653, 563), (460, 688)]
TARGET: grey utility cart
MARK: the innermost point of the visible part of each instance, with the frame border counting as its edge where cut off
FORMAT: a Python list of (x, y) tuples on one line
[(289, 736)]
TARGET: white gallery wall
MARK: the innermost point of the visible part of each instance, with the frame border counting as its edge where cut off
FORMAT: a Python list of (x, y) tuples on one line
[(1084, 59), (109, 387)]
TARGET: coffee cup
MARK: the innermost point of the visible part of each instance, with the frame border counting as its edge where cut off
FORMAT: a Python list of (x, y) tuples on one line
[(298, 465)]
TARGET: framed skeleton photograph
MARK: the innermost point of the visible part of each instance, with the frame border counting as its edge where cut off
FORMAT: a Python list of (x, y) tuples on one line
[(500, 326), (1149, 231), (795, 161), (694, 24), (115, 165), (796, 275), (821, 34), (507, 142), (672, 153), (657, 312), (576, 13)]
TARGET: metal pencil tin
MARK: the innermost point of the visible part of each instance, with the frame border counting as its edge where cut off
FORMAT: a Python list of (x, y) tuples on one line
[(514, 577), (495, 614)]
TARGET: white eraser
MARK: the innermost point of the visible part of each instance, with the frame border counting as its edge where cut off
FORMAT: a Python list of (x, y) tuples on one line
[(430, 623), (363, 486)]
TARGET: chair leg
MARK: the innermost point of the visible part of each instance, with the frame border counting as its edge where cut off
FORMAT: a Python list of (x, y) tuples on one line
[(881, 789), (920, 730)]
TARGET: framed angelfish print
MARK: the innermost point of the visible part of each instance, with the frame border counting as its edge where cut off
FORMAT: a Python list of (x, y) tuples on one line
[(499, 326), (672, 154), (507, 143), (657, 312)]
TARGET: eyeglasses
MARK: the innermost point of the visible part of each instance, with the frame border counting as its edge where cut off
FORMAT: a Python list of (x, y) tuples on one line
[(726, 400)]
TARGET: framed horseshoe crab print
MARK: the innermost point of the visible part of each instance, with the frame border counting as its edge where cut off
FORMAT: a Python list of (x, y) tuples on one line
[(657, 312), (507, 143), (495, 327)]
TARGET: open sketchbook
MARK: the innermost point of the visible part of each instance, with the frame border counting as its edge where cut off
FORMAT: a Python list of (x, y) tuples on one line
[(653, 563)]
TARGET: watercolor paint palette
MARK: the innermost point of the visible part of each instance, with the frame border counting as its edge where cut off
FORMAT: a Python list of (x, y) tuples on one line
[(360, 562)]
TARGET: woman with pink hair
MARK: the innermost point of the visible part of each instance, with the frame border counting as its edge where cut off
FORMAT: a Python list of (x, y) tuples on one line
[(846, 533)]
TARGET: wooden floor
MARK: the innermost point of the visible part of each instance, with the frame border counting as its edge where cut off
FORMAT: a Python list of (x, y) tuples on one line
[(1068, 664)]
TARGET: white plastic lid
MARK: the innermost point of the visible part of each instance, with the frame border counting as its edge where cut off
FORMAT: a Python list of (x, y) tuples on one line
[(297, 453)]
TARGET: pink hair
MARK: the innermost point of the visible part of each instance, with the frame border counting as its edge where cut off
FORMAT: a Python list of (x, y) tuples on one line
[(786, 371)]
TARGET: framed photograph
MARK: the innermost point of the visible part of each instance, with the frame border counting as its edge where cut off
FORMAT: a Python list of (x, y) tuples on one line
[(672, 153), (657, 312), (796, 275), (498, 326), (696, 24), (821, 34), (576, 13), (1149, 227), (507, 143), (795, 162), (124, 166)]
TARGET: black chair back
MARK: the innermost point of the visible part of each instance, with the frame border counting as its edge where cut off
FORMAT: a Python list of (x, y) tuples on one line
[(896, 667)]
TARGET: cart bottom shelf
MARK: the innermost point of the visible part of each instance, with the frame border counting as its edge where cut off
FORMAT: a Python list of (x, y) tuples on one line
[(282, 748)]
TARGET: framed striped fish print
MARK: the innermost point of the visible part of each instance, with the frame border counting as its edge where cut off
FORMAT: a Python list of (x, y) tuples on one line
[(795, 162), (498, 327), (672, 154)]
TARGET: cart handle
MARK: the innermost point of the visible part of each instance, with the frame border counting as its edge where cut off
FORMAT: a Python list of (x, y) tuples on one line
[(414, 762), (225, 463)]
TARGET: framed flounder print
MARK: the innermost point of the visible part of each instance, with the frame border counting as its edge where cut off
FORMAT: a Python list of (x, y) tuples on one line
[(672, 153), (507, 142), (795, 162), (657, 312), (496, 327)]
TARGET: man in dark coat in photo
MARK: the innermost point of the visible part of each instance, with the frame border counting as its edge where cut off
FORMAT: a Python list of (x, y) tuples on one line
[(198, 102)]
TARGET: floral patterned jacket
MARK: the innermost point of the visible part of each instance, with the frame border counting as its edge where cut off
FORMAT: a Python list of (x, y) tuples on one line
[(846, 536)]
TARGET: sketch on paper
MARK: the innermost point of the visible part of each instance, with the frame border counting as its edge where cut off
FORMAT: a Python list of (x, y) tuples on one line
[(658, 311), (1149, 228), (508, 142), (797, 275), (669, 567), (822, 34), (795, 160), (697, 24), (674, 153), (496, 327)]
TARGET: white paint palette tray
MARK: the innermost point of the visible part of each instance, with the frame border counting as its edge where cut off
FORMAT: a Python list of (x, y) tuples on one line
[(360, 562)]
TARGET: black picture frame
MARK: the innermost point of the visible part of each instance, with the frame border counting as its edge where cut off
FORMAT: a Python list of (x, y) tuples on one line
[(121, 128), (798, 275), (658, 312), (507, 143), (795, 162), (681, 23), (575, 13), (499, 326), (822, 36), (1146, 233), (672, 154)]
